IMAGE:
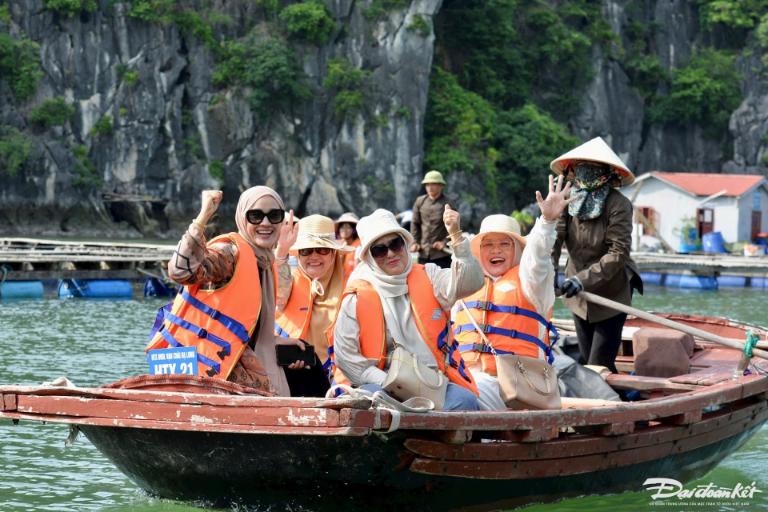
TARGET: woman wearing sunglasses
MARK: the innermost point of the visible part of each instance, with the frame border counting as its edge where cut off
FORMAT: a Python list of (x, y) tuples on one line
[(307, 299), (227, 307), (390, 302)]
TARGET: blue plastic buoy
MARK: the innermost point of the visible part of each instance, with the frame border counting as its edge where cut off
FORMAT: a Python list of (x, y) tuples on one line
[(732, 281), (21, 290), (698, 282), (156, 288), (95, 288), (656, 278), (672, 280), (759, 282)]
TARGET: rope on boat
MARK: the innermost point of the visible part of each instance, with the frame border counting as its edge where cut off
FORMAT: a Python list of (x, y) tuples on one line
[(381, 401)]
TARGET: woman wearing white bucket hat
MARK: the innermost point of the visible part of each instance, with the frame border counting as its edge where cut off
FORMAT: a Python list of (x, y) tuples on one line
[(597, 231), (514, 306), (307, 299), (393, 303)]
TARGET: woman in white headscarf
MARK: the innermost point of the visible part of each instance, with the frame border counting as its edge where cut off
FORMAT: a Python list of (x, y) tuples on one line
[(413, 300), (261, 220)]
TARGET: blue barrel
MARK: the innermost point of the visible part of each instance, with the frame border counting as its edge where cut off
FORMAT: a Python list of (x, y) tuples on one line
[(21, 290), (713, 242), (732, 281), (156, 288), (95, 288), (656, 278), (672, 280), (688, 240), (759, 282), (698, 282)]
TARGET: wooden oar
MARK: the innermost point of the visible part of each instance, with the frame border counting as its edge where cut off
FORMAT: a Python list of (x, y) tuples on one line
[(693, 331)]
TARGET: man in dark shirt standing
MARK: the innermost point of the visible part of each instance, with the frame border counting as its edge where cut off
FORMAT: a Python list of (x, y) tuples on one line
[(427, 225)]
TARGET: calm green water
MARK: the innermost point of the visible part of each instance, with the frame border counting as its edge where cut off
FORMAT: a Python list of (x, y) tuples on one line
[(94, 342)]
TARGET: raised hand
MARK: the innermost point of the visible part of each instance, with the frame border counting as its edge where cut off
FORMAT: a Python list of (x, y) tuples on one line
[(557, 199), (289, 232), (210, 201), (451, 219)]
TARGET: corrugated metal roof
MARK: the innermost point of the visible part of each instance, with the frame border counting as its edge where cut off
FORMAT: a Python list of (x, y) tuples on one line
[(707, 184)]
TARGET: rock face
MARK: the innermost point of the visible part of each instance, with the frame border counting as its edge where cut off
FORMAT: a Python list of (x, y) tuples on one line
[(170, 124), (155, 130)]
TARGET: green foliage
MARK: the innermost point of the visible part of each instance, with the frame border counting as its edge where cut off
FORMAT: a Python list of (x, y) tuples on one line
[(705, 92), (525, 220), (309, 21), (15, 149), (420, 25), (404, 112), (643, 67), (20, 65), (194, 147), (127, 75), (349, 86), (378, 9), (187, 18), (52, 112), (271, 7), (459, 131), (5, 14), (733, 14), (217, 170), (71, 7), (527, 139), (268, 67), (532, 51), (103, 126), (86, 174)]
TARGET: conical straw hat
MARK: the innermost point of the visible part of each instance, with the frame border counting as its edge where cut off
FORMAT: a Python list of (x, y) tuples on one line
[(595, 150)]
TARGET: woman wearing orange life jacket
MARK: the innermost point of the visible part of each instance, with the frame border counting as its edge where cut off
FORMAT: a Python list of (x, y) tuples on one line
[(346, 232), (514, 305), (307, 298), (227, 307), (391, 301)]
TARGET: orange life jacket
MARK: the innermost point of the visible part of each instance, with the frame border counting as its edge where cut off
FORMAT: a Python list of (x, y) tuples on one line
[(508, 319), (431, 322), (349, 260), (219, 322)]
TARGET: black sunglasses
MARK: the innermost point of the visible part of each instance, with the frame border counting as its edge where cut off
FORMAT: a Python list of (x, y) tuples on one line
[(275, 216), (395, 245), (322, 251)]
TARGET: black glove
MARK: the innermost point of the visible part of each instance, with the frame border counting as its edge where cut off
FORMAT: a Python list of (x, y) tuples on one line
[(571, 287)]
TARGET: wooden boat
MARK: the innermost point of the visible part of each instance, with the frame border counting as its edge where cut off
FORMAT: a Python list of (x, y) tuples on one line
[(199, 439)]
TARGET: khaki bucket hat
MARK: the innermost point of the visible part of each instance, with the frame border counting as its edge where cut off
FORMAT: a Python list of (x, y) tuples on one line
[(433, 177), (317, 231), (595, 150), (500, 223)]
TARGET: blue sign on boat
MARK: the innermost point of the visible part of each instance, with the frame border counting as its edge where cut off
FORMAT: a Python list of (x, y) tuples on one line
[(178, 360)]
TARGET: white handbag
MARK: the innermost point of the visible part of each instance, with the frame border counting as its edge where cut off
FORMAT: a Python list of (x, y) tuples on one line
[(408, 378)]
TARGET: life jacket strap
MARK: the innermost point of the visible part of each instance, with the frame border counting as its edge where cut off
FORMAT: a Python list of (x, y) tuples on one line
[(510, 333), (485, 305), (280, 331), (230, 323), (201, 333)]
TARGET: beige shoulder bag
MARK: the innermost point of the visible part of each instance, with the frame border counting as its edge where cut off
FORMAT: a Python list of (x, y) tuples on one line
[(408, 378), (524, 382)]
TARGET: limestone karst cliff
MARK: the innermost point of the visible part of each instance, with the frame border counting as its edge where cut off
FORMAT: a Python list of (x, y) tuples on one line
[(115, 114)]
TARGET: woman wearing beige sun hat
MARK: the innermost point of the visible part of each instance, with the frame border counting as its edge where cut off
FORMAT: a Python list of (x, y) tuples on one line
[(346, 233), (307, 298), (597, 231), (515, 303)]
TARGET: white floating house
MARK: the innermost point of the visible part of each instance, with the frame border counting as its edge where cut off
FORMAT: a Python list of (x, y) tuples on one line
[(736, 205)]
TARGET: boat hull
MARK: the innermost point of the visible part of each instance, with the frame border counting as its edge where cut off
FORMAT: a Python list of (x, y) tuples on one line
[(370, 472)]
